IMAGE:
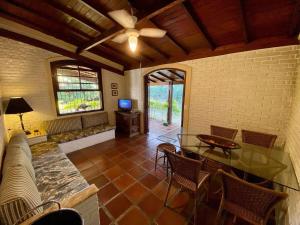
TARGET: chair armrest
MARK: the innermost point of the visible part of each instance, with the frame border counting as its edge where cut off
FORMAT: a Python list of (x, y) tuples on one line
[(69, 202)]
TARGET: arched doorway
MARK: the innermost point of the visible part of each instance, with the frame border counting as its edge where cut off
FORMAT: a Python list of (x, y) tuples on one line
[(164, 101)]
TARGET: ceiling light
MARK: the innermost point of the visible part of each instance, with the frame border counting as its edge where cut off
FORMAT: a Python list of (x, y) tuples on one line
[(132, 40)]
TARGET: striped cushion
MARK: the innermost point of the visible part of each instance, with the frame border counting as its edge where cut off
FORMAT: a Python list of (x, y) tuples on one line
[(94, 120), (22, 147), (63, 125), (18, 194), (18, 137), (16, 157)]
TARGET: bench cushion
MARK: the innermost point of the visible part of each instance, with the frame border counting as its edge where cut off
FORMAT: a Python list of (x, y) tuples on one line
[(74, 135), (62, 125), (56, 177), (94, 120), (18, 194), (19, 141)]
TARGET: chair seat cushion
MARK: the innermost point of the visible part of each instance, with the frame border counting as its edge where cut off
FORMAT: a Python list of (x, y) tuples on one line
[(56, 177)]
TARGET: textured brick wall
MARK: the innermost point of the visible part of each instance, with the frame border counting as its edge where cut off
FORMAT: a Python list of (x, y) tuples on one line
[(25, 72), (2, 130), (293, 146)]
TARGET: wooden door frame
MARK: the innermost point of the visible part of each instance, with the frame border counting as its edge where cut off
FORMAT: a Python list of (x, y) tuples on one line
[(146, 97)]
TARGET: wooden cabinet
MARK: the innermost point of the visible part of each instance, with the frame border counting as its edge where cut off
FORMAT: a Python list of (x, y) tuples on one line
[(128, 123)]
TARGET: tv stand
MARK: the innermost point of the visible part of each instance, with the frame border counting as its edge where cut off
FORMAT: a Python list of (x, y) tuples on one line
[(127, 123)]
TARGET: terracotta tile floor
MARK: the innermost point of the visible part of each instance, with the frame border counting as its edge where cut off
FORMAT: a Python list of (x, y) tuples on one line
[(131, 192)]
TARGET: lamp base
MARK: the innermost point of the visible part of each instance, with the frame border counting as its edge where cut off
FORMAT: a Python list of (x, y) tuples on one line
[(27, 132)]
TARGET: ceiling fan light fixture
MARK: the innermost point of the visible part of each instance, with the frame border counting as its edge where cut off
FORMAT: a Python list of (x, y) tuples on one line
[(132, 41)]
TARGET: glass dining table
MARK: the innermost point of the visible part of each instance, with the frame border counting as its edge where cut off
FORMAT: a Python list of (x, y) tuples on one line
[(270, 164)]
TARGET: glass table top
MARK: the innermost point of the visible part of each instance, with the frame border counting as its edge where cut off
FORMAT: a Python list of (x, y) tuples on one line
[(271, 164)]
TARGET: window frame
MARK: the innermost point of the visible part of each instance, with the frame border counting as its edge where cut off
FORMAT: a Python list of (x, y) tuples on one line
[(57, 64)]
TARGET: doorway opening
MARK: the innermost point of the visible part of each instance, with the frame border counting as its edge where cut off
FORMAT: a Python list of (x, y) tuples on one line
[(164, 98)]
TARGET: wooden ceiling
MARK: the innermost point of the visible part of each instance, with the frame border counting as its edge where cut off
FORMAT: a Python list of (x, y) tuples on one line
[(166, 76), (195, 28)]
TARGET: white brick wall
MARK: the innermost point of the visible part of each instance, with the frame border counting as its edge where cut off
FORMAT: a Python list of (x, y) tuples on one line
[(293, 145), (25, 72)]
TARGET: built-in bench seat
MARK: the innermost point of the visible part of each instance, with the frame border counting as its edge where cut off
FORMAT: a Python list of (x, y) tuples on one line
[(77, 132)]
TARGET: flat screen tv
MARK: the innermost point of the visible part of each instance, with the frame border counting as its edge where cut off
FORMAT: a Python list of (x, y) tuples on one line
[(125, 104)]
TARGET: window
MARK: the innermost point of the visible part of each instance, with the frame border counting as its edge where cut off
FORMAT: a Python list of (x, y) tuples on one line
[(77, 87)]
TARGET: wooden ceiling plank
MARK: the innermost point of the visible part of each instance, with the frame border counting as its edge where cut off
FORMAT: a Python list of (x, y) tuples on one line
[(72, 30), (118, 29), (244, 21), (157, 50), (75, 15), (165, 75), (158, 78), (55, 49), (295, 22), (188, 7), (170, 39), (154, 81), (176, 74)]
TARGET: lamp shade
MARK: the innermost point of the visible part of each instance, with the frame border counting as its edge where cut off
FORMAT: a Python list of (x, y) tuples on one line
[(17, 105)]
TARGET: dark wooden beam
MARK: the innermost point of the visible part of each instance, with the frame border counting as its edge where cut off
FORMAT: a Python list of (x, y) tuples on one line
[(23, 5), (157, 50), (295, 22), (118, 29), (55, 49), (176, 74), (154, 81), (244, 21), (158, 78), (171, 39), (165, 75), (193, 15), (83, 20)]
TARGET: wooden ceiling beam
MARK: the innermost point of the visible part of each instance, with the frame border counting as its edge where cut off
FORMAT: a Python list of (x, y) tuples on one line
[(118, 29), (165, 75), (157, 78), (176, 74), (295, 22), (83, 20), (170, 39), (190, 11), (244, 21), (157, 50), (58, 50), (154, 81)]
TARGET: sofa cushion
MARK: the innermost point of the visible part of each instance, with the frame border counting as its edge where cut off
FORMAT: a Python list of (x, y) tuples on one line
[(18, 194), (63, 125), (43, 148), (16, 157), (21, 142), (56, 177), (94, 120)]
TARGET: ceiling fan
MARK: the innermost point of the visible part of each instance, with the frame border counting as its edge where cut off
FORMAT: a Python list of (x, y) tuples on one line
[(131, 34)]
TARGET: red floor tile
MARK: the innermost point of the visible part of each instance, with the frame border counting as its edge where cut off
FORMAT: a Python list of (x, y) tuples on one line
[(99, 181), (150, 181), (124, 181), (118, 205), (137, 172), (169, 217), (90, 173), (104, 219), (114, 172), (107, 192), (136, 192), (134, 217), (151, 205)]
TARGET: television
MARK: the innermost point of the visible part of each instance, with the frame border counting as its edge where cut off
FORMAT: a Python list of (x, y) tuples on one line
[(125, 104)]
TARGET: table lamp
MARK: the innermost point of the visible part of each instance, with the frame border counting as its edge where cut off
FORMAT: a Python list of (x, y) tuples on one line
[(18, 105)]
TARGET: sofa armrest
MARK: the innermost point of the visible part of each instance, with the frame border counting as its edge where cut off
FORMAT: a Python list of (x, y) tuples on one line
[(70, 202)]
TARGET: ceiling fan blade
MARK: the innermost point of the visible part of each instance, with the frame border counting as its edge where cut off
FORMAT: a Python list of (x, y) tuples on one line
[(152, 32), (123, 18), (121, 38)]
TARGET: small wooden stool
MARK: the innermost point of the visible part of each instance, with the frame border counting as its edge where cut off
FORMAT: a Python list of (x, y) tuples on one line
[(160, 148)]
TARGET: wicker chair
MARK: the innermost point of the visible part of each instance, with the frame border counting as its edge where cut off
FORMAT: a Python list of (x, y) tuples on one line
[(224, 132), (247, 201), (188, 174), (161, 148), (257, 138)]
